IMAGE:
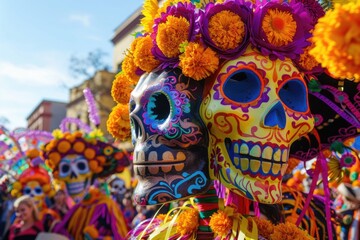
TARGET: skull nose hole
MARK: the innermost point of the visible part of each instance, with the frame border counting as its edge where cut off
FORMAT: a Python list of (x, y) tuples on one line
[(276, 117), (136, 129), (158, 107), (73, 175)]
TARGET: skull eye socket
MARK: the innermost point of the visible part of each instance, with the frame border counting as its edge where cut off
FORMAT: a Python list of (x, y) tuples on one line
[(293, 95), (27, 191), (64, 169), (82, 166), (243, 86), (38, 190), (158, 107)]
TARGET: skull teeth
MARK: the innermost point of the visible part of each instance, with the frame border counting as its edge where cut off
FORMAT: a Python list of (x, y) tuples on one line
[(155, 170), (256, 166), (260, 151), (167, 157)]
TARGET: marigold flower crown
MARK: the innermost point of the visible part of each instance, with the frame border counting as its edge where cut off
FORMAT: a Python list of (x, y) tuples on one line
[(198, 36), (104, 159)]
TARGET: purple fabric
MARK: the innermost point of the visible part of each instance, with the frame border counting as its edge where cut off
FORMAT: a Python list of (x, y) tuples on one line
[(315, 178), (101, 212)]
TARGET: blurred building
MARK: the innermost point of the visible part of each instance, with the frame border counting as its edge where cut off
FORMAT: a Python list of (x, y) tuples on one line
[(123, 37), (46, 116), (100, 86)]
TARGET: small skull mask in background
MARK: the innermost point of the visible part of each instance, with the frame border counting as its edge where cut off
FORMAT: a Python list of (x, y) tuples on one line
[(117, 188), (255, 109), (35, 190), (75, 172), (170, 140)]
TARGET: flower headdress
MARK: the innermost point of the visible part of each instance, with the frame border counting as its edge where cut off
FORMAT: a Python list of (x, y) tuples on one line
[(104, 159), (198, 36), (34, 173)]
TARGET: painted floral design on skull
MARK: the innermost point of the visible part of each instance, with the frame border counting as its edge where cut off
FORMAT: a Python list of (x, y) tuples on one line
[(170, 140), (255, 109)]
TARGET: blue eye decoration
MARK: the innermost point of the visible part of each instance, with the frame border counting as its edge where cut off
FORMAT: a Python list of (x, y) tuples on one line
[(243, 86), (293, 95)]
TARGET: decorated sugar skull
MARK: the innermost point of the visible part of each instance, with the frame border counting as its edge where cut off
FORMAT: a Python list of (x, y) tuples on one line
[(34, 181), (75, 172), (254, 99), (78, 159), (255, 109), (170, 153)]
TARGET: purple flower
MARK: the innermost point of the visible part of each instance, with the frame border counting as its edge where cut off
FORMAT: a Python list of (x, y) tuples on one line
[(237, 7), (314, 9), (292, 49), (186, 10)]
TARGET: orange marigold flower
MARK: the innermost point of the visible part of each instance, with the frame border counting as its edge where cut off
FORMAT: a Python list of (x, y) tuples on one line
[(279, 27), (198, 62), (171, 34), (289, 231), (220, 223), (307, 61), (118, 123), (226, 30), (188, 221), (121, 88), (129, 67), (265, 227), (337, 41), (143, 57)]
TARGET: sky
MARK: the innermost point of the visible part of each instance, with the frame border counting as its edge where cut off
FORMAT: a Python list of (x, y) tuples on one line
[(37, 40)]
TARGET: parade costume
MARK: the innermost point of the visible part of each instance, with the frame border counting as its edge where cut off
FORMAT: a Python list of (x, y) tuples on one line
[(226, 83), (79, 159), (35, 181)]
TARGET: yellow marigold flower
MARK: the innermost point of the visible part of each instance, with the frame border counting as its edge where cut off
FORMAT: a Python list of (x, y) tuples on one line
[(198, 62), (226, 29), (96, 133), (57, 134), (118, 123), (121, 88), (279, 27), (129, 67), (220, 223), (171, 34), (143, 57), (168, 3), (150, 8), (188, 221), (265, 227), (337, 41), (289, 231)]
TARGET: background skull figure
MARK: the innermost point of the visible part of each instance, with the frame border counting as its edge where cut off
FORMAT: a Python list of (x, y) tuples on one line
[(170, 154)]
